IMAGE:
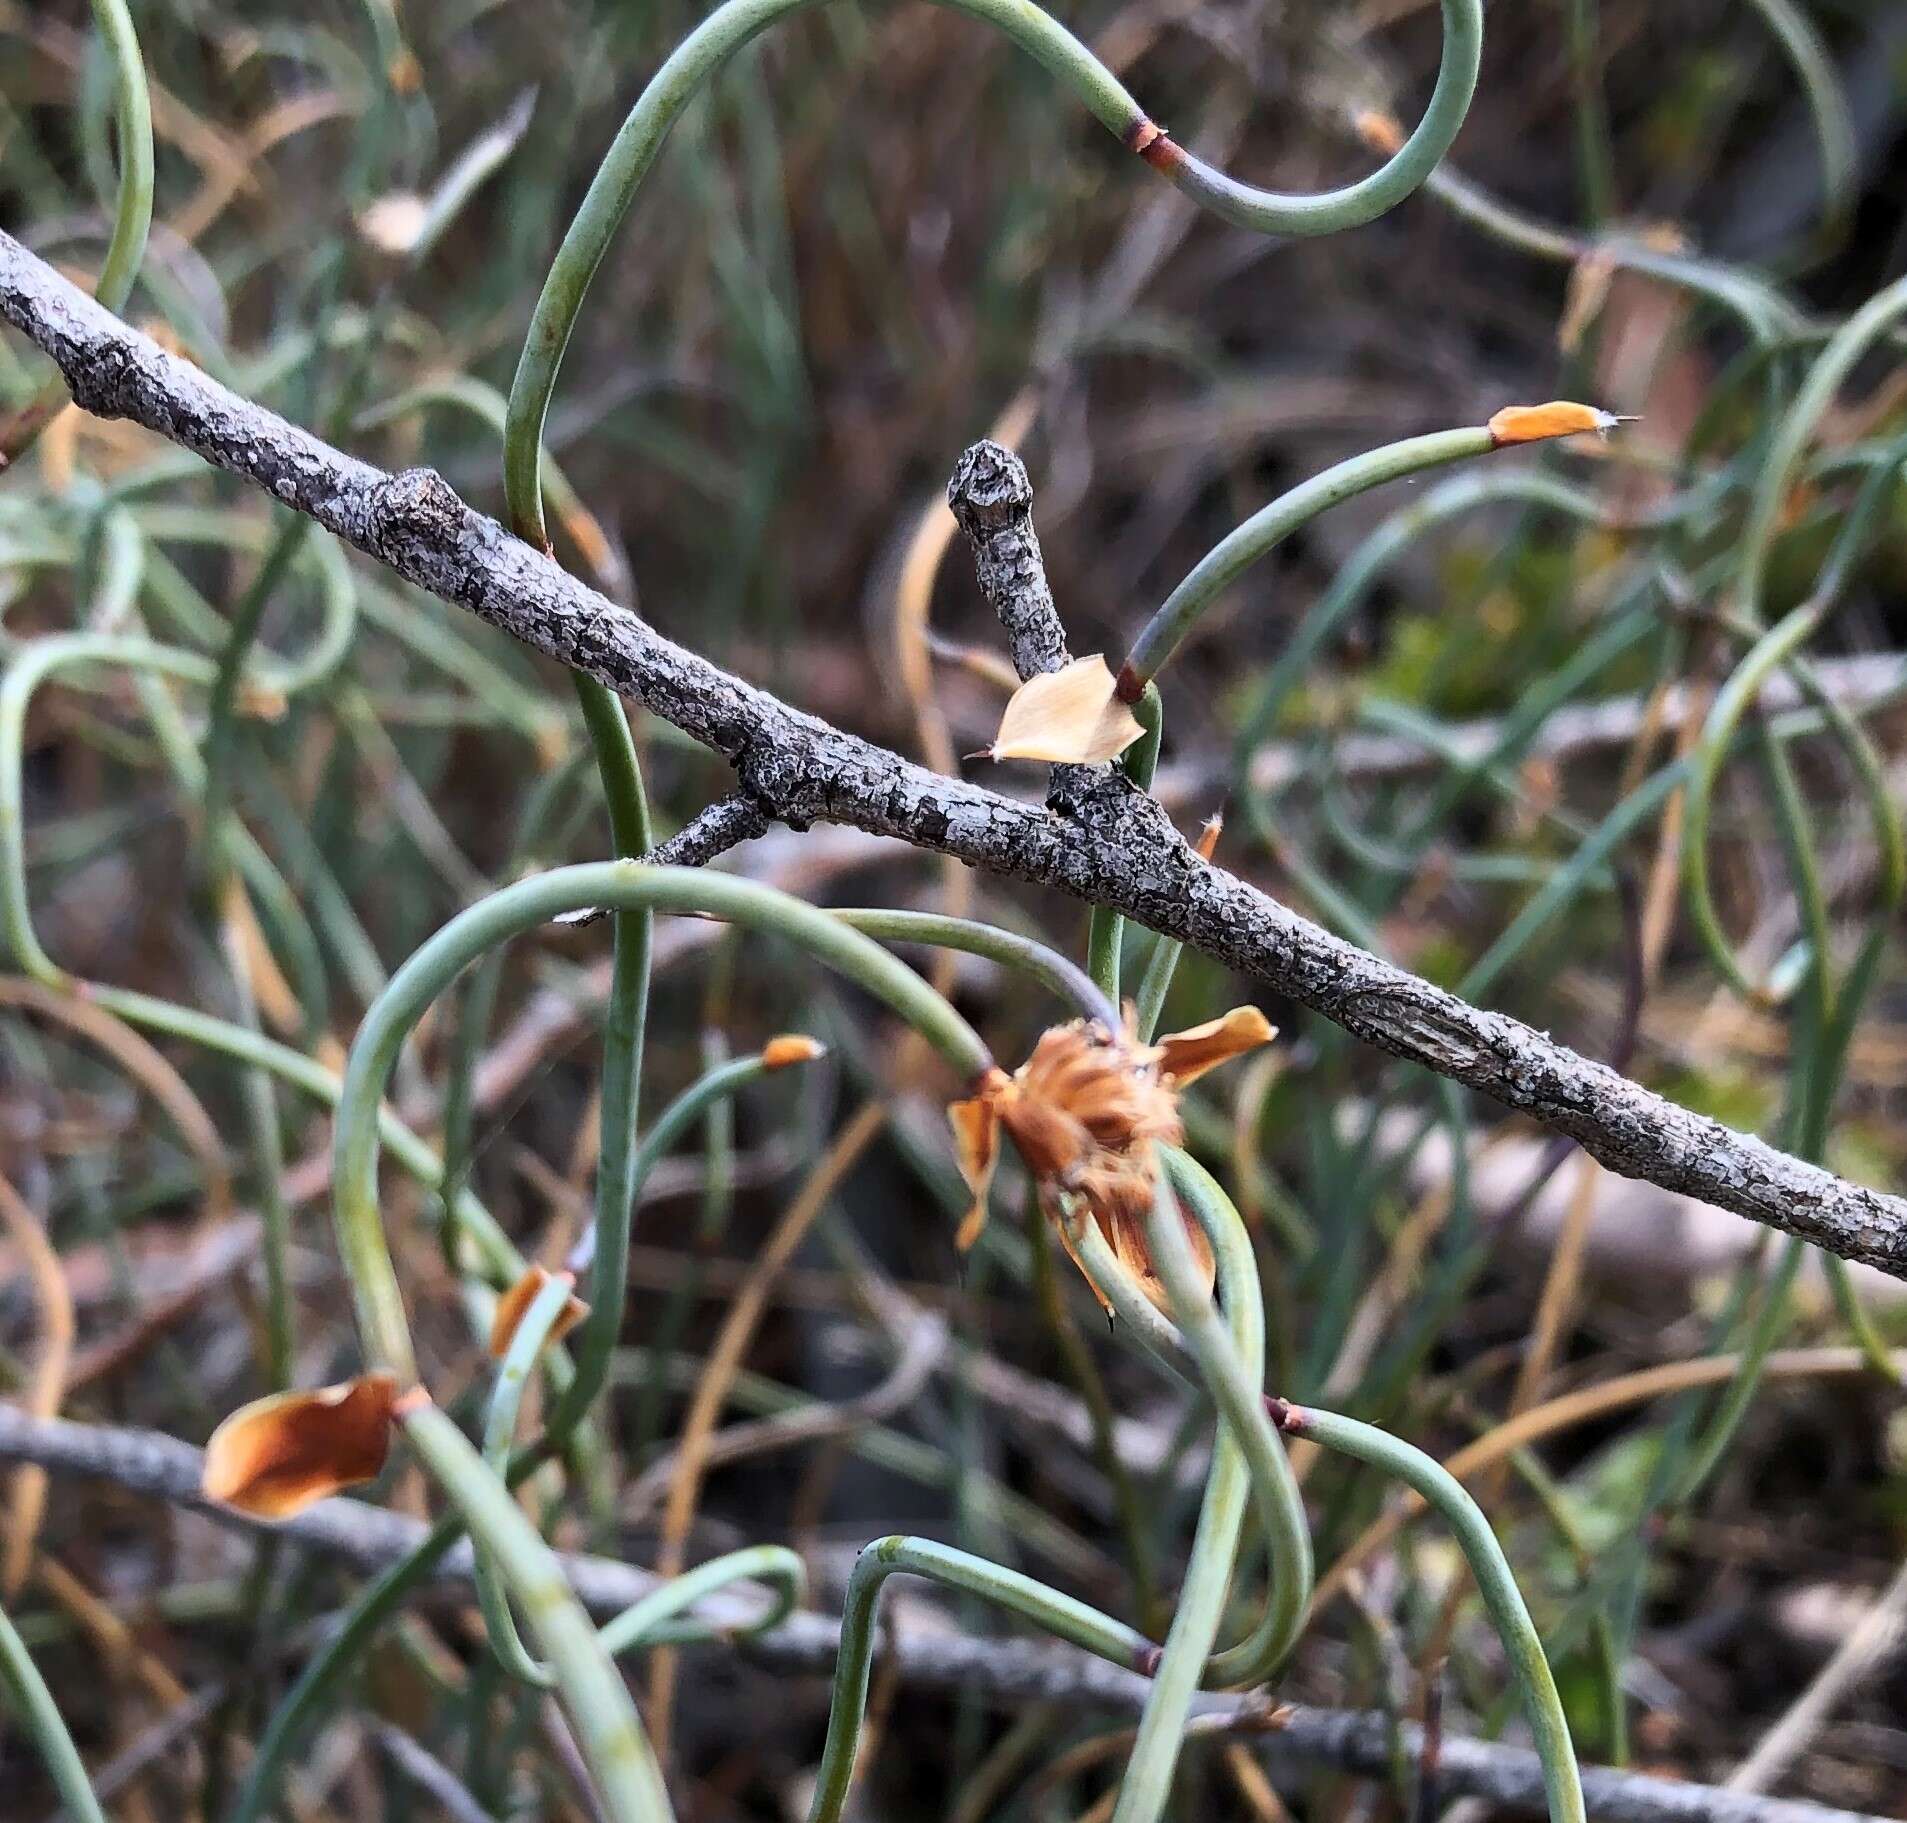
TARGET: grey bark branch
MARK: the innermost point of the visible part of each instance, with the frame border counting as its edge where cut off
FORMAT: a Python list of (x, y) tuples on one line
[(992, 500), (991, 495), (711, 832), (1114, 846), (1010, 1671)]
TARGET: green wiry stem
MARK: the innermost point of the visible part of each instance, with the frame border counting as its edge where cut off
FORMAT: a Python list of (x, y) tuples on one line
[(1240, 1397), (132, 215), (1831, 367), (1134, 1527), (618, 885), (1529, 1667), (1145, 1324), (1168, 629), (1731, 703), (1247, 1454), (27, 669), (656, 1620), (1147, 1786), (608, 1731), (1105, 936), (626, 1015), (674, 1121), (499, 1433), (625, 1020), (39, 1716), (1274, 1492), (1048, 967), (1834, 134), (1054, 1613), (25, 672)]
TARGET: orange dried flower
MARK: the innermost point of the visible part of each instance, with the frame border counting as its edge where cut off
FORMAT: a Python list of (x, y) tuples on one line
[(279, 1455), (1085, 1112), (515, 1303)]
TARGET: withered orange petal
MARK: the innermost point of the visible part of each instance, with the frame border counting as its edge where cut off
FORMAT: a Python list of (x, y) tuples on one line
[(1126, 1232), (1065, 1229), (279, 1455), (976, 1131), (515, 1304), (1187, 1055)]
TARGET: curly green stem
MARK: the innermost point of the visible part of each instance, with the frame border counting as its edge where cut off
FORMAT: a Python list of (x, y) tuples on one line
[(1831, 366), (618, 885), (1169, 627), (625, 1021), (1145, 1323), (1731, 703), (1279, 1505), (1064, 979), (656, 1620), (1246, 1455), (725, 31), (1522, 1646), (609, 1733), (499, 1434), (626, 1016), (1054, 1613)]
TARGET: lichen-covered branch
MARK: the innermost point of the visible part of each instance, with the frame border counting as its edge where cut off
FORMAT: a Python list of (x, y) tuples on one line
[(1110, 845)]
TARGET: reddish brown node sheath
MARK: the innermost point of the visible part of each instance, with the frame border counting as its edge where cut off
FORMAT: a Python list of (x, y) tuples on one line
[(1284, 1416), (1128, 686), (1154, 144), (989, 1079), (1146, 1659)]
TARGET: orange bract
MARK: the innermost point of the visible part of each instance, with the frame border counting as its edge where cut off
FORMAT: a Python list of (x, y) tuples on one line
[(789, 1049), (515, 1303), (1539, 423), (1068, 716), (279, 1455), (1378, 130)]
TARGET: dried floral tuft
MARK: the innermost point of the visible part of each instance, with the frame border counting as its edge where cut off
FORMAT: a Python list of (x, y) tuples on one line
[(1086, 1112)]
